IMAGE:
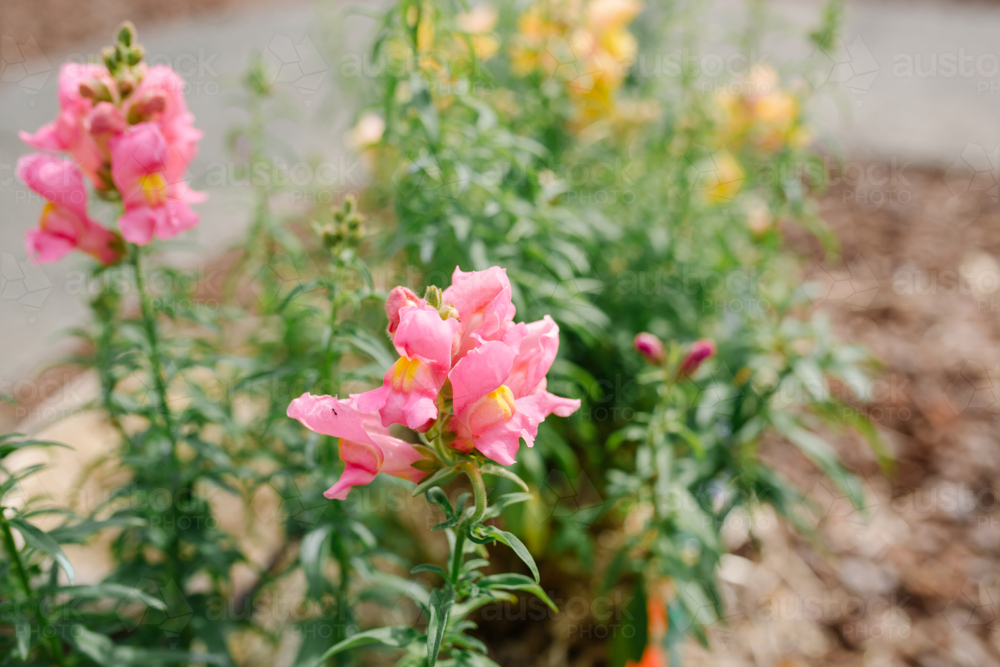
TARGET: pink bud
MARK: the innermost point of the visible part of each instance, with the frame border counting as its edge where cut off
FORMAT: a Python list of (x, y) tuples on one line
[(106, 118), (700, 350), (650, 347), (398, 298)]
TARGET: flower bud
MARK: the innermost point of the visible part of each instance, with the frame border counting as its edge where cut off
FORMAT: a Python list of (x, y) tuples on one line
[(432, 295), (398, 298), (108, 55), (106, 119), (95, 90), (699, 351), (126, 33), (650, 347)]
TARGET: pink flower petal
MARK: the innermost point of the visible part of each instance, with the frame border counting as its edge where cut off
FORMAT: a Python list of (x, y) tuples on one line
[(478, 373), (56, 179), (537, 351)]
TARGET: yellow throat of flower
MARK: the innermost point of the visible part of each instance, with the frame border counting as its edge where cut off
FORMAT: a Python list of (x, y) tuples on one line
[(46, 212), (503, 400), (154, 188), (403, 374)]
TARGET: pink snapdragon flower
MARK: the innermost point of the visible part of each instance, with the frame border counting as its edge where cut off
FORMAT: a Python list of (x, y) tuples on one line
[(409, 391), (496, 370), (500, 395), (154, 204), (64, 224), (70, 131), (127, 127), (365, 445)]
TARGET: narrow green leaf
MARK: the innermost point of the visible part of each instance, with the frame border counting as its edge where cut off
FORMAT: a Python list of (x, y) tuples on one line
[(36, 539), (427, 567), (439, 478), (516, 582), (114, 591), (499, 471), (23, 631), (442, 600), (491, 533), (823, 457), (313, 555), (395, 636)]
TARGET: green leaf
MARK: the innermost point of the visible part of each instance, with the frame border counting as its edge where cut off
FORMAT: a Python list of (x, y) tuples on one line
[(23, 631), (439, 478), (823, 457), (7, 447), (496, 509), (104, 652), (499, 471), (631, 634), (516, 582), (36, 539), (114, 591), (427, 567), (313, 555), (394, 584), (442, 600), (491, 533), (395, 636), (76, 533)]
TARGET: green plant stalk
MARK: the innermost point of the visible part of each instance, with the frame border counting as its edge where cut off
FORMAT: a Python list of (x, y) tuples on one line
[(156, 366), (478, 488), (152, 336), (55, 646), (105, 344)]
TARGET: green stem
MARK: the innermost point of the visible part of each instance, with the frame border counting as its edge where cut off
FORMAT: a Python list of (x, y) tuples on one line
[(478, 488), (457, 553), (156, 366), (55, 646), (152, 335)]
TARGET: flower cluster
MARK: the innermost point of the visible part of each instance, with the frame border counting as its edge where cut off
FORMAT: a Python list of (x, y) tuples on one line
[(127, 128), (757, 110), (464, 365), (590, 57)]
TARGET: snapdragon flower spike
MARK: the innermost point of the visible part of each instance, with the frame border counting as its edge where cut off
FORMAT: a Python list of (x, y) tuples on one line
[(70, 131), (499, 393), (483, 302), (154, 205), (409, 390), (366, 448), (64, 224)]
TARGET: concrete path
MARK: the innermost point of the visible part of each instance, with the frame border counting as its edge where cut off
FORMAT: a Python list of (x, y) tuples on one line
[(911, 81)]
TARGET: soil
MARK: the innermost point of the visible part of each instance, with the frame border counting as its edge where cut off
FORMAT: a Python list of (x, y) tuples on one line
[(913, 579)]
